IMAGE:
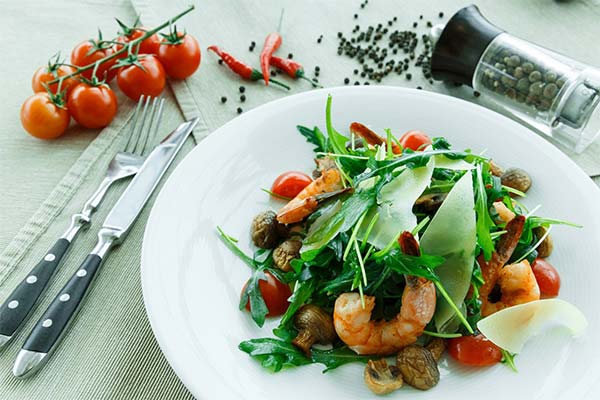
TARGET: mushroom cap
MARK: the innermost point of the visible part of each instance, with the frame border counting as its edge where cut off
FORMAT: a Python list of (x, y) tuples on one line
[(382, 378), (516, 178), (314, 325), (418, 367), (266, 231), (545, 248), (286, 251)]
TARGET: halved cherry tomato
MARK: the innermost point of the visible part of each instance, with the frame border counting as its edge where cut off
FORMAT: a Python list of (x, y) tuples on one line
[(149, 45), (43, 118), (547, 277), (149, 81), (45, 75), (92, 106), (90, 51), (289, 184), (415, 140), (275, 293), (180, 57), (476, 351)]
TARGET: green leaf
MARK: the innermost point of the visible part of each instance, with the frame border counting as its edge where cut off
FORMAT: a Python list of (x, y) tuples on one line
[(508, 359), (421, 266), (484, 222), (231, 245), (302, 293), (276, 354), (337, 141), (314, 136), (252, 293), (329, 225)]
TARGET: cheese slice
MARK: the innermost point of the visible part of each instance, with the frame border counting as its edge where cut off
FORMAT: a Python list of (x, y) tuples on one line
[(512, 327)]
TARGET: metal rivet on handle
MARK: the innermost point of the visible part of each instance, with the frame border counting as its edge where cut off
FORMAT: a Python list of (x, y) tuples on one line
[(31, 279), (13, 304), (47, 323), (81, 273), (50, 257), (64, 297)]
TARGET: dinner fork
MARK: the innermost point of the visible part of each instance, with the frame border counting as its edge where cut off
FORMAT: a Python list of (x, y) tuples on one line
[(125, 163)]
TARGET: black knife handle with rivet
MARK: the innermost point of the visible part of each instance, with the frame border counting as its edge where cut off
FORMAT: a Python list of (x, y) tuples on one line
[(19, 304)]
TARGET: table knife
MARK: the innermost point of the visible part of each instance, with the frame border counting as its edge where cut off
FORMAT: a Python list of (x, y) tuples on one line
[(48, 330)]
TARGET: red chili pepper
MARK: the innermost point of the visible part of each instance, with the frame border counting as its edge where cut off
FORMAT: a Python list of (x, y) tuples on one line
[(272, 43), (292, 68), (241, 69)]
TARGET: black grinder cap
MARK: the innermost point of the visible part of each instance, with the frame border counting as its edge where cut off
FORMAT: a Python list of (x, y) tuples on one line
[(461, 44)]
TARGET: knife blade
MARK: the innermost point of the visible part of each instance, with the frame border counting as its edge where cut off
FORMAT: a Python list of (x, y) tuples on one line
[(47, 332)]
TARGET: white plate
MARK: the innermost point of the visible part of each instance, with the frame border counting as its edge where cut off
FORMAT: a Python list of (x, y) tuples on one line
[(191, 282)]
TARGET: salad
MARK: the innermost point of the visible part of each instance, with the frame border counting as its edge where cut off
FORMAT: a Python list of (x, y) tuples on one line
[(394, 251)]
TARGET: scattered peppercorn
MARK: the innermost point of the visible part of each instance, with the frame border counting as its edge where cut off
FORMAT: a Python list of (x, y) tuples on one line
[(242, 89), (220, 62), (239, 110), (355, 16), (429, 24), (317, 68), (415, 24), (419, 88), (476, 93), (223, 99), (408, 76), (356, 83), (420, 17), (346, 81), (290, 56), (441, 14), (243, 98)]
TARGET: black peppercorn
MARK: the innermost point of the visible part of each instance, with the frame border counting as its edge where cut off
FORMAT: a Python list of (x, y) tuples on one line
[(290, 56), (243, 98), (355, 72), (239, 110), (223, 99), (346, 81), (415, 24), (429, 24), (242, 89), (339, 34), (408, 76), (441, 14), (476, 93), (356, 83), (355, 16), (419, 88)]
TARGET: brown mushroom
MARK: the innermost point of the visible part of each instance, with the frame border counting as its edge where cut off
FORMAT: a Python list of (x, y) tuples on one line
[(382, 378), (517, 179), (545, 248), (266, 231), (286, 251), (418, 367), (314, 325), (436, 346), (430, 203)]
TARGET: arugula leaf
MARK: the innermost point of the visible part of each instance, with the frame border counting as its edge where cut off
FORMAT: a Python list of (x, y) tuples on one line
[(440, 143), (231, 245), (484, 222), (314, 136), (276, 354), (252, 293), (327, 228), (302, 293), (508, 359), (337, 141), (421, 266)]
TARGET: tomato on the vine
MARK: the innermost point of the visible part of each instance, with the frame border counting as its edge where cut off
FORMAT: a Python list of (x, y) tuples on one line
[(180, 55), (149, 45), (289, 184), (415, 140), (92, 106), (43, 75), (135, 81), (547, 277), (275, 294), (90, 51), (475, 350), (44, 116)]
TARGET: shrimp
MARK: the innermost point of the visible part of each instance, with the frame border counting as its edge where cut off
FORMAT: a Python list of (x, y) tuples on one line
[(353, 322), (307, 201), (371, 137), (517, 286), (490, 270)]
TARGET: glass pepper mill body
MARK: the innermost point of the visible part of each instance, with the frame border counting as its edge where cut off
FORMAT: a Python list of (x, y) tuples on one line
[(555, 95)]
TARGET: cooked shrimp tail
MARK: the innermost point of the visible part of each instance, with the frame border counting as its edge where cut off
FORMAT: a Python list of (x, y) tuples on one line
[(371, 137)]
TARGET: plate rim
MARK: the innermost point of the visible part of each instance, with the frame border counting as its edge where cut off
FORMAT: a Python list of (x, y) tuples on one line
[(165, 345)]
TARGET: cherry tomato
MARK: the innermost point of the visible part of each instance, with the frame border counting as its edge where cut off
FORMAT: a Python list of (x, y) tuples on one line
[(289, 184), (44, 75), (149, 45), (81, 58), (92, 106), (476, 351), (150, 81), (43, 118), (547, 277), (415, 140), (275, 293), (182, 59)]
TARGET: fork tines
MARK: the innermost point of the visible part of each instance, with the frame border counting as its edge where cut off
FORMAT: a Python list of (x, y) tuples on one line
[(146, 120)]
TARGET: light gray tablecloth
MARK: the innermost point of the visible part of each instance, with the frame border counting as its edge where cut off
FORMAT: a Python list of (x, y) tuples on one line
[(110, 352)]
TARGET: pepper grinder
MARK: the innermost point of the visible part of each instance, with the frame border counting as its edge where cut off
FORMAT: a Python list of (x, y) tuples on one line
[(545, 90)]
